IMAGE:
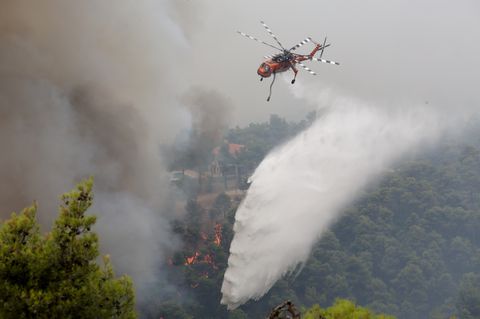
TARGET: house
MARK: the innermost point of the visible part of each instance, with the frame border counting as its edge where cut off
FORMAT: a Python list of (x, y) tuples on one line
[(217, 166), (233, 150)]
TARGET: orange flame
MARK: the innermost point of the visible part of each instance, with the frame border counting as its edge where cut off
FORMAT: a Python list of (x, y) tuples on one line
[(193, 259), (218, 234), (209, 260)]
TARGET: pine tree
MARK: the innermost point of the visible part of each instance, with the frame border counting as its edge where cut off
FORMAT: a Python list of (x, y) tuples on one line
[(344, 309), (56, 275)]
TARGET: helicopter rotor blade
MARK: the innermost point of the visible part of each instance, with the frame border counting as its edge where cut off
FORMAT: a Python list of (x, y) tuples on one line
[(271, 34), (323, 47), (307, 68), (255, 39), (300, 44), (326, 61)]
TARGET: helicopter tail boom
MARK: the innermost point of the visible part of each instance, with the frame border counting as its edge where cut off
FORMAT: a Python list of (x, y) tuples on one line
[(318, 47)]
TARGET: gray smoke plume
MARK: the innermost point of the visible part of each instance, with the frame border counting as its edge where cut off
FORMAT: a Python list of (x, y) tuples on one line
[(87, 88), (210, 115)]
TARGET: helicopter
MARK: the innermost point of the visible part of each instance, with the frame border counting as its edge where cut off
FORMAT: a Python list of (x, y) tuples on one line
[(287, 59)]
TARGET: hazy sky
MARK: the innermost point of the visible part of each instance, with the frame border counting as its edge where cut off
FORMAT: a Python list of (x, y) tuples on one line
[(390, 51)]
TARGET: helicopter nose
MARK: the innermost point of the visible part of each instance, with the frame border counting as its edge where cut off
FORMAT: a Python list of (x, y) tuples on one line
[(263, 73)]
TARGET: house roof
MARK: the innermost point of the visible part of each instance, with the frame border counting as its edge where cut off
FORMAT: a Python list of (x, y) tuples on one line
[(233, 149)]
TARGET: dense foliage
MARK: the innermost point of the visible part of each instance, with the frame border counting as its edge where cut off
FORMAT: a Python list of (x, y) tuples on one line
[(409, 246), (260, 138), (56, 276), (342, 309)]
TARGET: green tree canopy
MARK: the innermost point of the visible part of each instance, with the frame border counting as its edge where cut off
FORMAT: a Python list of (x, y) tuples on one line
[(342, 309), (56, 276)]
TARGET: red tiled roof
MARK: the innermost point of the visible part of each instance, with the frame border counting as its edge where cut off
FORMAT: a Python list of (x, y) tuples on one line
[(233, 149)]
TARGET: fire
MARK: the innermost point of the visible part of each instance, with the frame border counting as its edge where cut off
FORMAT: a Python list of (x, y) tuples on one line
[(218, 234), (209, 260), (191, 260), (206, 258)]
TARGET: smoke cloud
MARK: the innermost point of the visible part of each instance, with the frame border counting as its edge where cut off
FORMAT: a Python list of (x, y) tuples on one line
[(88, 88), (301, 187), (210, 115)]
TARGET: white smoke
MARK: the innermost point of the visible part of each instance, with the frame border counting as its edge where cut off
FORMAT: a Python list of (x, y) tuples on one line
[(302, 187)]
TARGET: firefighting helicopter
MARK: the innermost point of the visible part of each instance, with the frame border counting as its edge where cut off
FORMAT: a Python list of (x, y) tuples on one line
[(287, 59)]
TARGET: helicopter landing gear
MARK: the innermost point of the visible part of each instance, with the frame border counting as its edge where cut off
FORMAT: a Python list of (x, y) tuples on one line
[(295, 76), (295, 71)]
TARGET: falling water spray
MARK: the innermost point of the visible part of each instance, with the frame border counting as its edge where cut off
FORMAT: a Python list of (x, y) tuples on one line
[(303, 186)]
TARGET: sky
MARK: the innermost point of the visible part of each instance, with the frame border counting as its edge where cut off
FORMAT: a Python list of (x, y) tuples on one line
[(390, 52)]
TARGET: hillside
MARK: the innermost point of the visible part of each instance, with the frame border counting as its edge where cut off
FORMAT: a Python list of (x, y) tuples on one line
[(408, 247)]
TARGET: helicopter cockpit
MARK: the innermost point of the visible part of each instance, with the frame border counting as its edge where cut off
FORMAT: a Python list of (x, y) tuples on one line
[(264, 70)]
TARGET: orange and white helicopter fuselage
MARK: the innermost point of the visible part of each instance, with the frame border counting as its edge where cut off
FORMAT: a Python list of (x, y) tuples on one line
[(287, 59), (284, 61)]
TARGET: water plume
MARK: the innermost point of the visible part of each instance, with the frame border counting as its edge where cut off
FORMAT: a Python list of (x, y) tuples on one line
[(302, 186)]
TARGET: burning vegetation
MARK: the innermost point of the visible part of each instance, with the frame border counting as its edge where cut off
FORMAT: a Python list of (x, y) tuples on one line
[(208, 256), (206, 232), (218, 234), (193, 259)]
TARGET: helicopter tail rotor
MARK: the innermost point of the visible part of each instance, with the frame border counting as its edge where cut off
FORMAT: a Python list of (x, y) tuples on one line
[(323, 47)]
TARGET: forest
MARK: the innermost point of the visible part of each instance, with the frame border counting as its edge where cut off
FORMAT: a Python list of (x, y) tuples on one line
[(408, 247)]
